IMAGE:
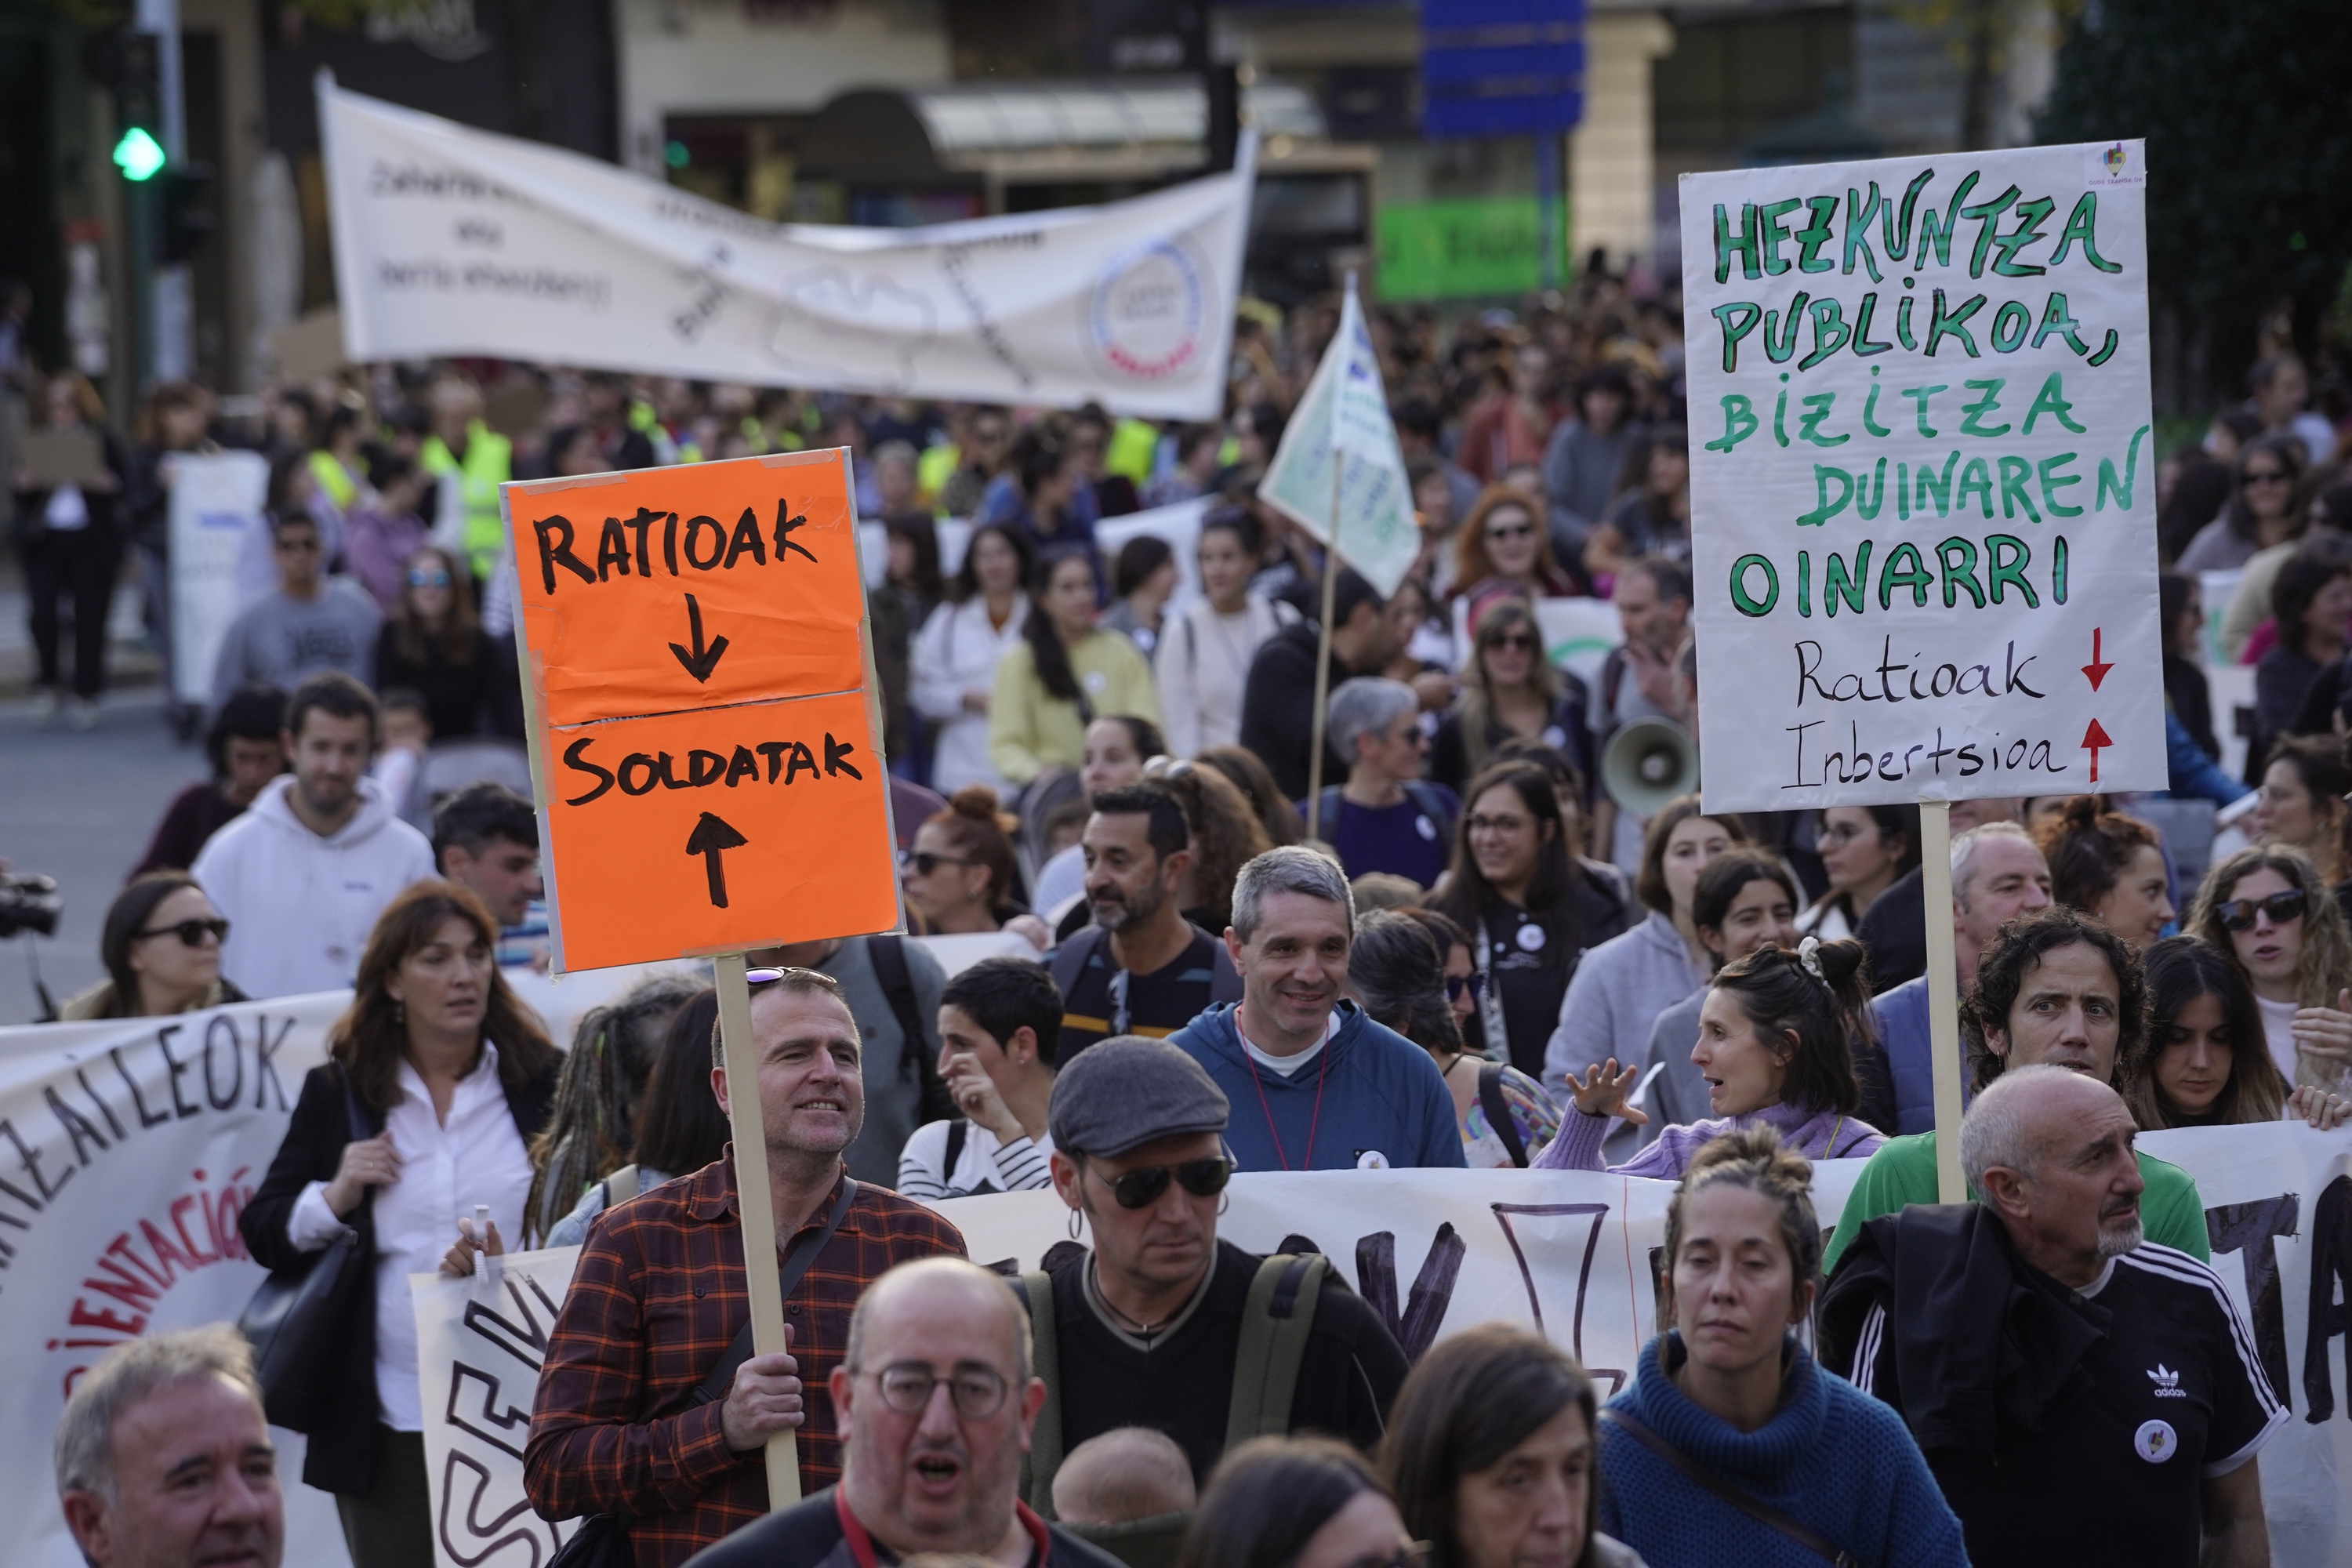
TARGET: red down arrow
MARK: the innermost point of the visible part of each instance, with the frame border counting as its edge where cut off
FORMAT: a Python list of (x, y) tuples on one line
[(2095, 671)]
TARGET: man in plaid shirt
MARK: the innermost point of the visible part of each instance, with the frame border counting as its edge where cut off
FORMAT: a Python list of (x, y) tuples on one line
[(658, 1294)]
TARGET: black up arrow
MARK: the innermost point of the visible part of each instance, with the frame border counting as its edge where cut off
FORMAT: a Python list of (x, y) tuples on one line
[(702, 660), (712, 837)]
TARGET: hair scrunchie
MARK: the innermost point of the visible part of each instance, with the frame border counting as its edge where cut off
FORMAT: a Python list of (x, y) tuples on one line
[(1809, 954)]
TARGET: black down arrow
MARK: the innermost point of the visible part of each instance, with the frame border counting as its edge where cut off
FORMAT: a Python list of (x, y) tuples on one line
[(702, 660)]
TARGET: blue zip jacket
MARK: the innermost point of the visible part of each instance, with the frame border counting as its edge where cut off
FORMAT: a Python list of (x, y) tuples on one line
[(1380, 1094)]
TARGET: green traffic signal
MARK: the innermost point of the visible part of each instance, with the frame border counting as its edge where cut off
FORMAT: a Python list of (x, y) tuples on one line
[(139, 155)]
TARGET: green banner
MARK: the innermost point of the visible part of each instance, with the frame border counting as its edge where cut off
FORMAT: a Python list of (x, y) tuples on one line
[(1454, 249)]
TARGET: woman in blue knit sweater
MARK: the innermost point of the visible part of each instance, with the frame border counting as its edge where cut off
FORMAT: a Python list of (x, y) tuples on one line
[(1729, 1393)]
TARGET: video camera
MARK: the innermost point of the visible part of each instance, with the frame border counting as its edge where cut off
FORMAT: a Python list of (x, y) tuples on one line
[(29, 901)]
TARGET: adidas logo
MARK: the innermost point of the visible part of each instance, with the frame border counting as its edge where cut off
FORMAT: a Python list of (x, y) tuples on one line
[(2167, 1383)]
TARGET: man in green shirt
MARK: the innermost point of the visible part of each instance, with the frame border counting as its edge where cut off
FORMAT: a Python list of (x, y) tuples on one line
[(2055, 988)]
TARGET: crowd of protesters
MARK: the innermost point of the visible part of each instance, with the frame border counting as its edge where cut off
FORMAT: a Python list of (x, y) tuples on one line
[(1477, 957)]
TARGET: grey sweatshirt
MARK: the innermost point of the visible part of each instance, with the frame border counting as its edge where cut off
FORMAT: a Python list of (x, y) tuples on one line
[(277, 641)]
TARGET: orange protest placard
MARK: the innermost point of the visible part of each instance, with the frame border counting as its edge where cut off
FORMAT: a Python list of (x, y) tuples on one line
[(704, 741), (688, 587)]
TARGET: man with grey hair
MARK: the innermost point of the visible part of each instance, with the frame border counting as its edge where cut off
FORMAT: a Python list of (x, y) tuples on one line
[(2043, 1352), (1997, 875), (1332, 1089), (164, 1460), (1894, 928), (935, 1403), (1386, 817)]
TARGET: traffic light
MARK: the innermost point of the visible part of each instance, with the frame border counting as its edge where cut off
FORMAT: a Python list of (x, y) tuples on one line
[(135, 75), (188, 219)]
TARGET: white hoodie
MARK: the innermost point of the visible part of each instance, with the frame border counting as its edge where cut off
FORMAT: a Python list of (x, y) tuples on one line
[(300, 907)]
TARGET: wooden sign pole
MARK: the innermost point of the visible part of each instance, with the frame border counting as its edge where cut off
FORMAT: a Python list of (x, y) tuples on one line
[(1323, 661), (1943, 993), (762, 1279)]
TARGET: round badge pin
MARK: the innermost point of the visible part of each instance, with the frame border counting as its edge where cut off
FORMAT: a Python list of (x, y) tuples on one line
[(2155, 1441), (1425, 827), (1530, 938), (1371, 1159)]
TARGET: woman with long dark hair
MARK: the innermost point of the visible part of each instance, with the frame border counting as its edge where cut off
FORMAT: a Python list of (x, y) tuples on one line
[(433, 644), (2207, 1065), (1063, 673), (588, 1132), (1653, 517), (2270, 911), (1247, 773), (2181, 604), (161, 948), (1205, 653), (1729, 1382), (1866, 849), (1776, 1047), (677, 1127), (953, 664), (1510, 690), (2264, 510), (1531, 907), (448, 1077), (1144, 577), (1294, 1502), (2311, 605), (1490, 1454)]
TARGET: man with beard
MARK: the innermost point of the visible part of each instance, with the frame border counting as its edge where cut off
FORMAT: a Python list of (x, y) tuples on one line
[(936, 1401), (1141, 968), (2044, 1354), (651, 1406)]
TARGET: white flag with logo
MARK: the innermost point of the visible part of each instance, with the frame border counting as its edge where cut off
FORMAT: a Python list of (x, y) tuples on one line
[(1343, 419)]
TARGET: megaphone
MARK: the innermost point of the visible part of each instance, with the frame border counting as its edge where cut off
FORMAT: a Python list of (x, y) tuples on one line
[(1647, 763)]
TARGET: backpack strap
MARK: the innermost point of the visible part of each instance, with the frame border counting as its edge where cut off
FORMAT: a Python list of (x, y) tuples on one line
[(1276, 1326), (623, 1184), (959, 1128), (1498, 1113), (720, 1378), (1331, 802), (887, 953), (1070, 958), (1044, 1456), (1431, 804)]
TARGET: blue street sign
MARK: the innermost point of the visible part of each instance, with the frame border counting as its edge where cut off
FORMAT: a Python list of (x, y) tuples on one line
[(1501, 68)]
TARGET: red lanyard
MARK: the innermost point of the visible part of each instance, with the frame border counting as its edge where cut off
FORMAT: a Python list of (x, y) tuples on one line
[(861, 1545), (1322, 1072)]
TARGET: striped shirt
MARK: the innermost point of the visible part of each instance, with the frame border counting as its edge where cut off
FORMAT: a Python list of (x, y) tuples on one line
[(981, 1166), (656, 1300)]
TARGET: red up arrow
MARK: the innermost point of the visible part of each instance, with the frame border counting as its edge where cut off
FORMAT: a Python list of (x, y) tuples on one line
[(2096, 672), (2093, 738)]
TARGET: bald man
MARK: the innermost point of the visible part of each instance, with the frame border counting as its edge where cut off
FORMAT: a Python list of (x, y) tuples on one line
[(934, 1400), (2043, 1352)]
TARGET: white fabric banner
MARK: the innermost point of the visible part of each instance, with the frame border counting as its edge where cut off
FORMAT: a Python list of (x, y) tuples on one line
[(1923, 478), (455, 241), (1342, 419), (215, 510)]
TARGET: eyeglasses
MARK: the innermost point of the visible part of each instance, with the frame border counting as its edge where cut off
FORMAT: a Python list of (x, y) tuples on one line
[(420, 577), (925, 862), (2264, 475), (1517, 641), (977, 1389), (1496, 824), (2239, 914), (192, 933), (1474, 983), (1166, 767), (1142, 1188), (299, 546), (1522, 531)]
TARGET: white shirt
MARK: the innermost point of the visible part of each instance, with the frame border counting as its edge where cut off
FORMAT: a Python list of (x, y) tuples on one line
[(67, 510), (1287, 1066), (477, 1157), (2278, 1031), (955, 653)]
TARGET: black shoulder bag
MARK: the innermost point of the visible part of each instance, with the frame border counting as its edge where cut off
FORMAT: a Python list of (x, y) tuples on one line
[(603, 1539), (1498, 1113), (298, 1320), (1762, 1512)]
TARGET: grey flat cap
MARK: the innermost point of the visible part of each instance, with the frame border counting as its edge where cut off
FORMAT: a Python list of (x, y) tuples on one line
[(1127, 1090)]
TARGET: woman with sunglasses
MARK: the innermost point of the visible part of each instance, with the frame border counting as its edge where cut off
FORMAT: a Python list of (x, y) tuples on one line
[(433, 644), (960, 876), (1730, 1386), (161, 948), (2263, 514), (1532, 910), (1396, 971), (2203, 1013), (1297, 1502), (1490, 1454), (1510, 691), (2268, 910), (1504, 545)]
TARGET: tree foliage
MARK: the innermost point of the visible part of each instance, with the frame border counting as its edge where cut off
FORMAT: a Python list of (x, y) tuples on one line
[(2248, 153)]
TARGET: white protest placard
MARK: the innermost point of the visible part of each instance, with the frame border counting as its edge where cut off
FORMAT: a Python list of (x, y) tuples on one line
[(217, 505), (458, 241), (1923, 479), (1342, 426)]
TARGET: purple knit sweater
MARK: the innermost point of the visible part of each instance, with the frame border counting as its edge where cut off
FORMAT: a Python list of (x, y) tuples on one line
[(1815, 1134)]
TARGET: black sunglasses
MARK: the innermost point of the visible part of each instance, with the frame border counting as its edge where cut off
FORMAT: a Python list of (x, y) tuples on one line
[(1142, 1188), (2238, 914), (1474, 983), (925, 862), (192, 933)]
